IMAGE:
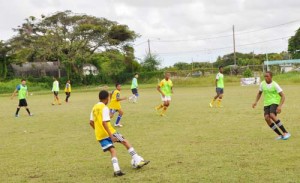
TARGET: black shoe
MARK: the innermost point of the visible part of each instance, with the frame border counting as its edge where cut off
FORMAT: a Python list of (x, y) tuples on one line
[(118, 173)]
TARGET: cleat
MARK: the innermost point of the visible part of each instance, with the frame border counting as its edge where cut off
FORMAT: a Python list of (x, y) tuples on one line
[(17, 115), (286, 136), (52, 104), (118, 173), (279, 137), (118, 125), (30, 114), (162, 115), (211, 105), (143, 163)]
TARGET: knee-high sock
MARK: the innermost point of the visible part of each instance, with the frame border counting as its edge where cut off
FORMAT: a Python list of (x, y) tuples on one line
[(115, 164), (280, 125), (118, 119), (273, 127), (18, 109)]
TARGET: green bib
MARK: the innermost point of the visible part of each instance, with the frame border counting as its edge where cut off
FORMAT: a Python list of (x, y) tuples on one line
[(270, 94), (22, 92), (220, 82)]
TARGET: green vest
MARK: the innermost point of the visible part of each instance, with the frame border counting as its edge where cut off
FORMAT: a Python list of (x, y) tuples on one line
[(134, 83), (22, 92), (220, 82), (270, 94)]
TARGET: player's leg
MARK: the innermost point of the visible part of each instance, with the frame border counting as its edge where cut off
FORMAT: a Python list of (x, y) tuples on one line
[(118, 123), (54, 98), (161, 106), (131, 151), (166, 105), (26, 107), (211, 104), (136, 95), (18, 109), (273, 116), (220, 98), (57, 98), (112, 112), (270, 122)]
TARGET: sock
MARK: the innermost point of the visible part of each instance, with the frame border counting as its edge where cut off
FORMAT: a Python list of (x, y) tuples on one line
[(28, 111), (219, 102), (17, 112), (273, 127), (213, 101), (280, 125), (134, 155), (160, 106), (115, 163), (118, 120), (164, 110)]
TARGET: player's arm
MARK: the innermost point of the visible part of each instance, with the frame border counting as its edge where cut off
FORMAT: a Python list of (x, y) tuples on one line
[(92, 120), (159, 90), (281, 102), (104, 123), (257, 99), (119, 98), (14, 94), (216, 83)]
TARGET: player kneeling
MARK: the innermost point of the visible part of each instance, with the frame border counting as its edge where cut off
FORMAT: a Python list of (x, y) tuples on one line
[(107, 135)]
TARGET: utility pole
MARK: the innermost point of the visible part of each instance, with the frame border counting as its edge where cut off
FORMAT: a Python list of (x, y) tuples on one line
[(234, 54), (149, 49)]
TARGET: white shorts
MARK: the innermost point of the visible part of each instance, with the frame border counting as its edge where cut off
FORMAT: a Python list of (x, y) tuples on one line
[(166, 98)]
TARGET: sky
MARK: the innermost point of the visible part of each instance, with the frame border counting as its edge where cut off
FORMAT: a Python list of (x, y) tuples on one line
[(178, 30)]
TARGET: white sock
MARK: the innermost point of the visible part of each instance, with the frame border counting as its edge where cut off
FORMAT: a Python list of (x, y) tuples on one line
[(134, 155), (115, 163)]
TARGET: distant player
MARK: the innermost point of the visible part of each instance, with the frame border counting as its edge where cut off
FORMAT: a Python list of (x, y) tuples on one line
[(273, 101), (55, 90), (115, 104), (107, 135), (134, 89), (165, 88), (219, 89), (68, 90), (22, 94)]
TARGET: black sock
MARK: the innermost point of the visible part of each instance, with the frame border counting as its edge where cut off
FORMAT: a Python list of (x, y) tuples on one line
[(273, 127), (28, 111), (17, 112), (280, 125)]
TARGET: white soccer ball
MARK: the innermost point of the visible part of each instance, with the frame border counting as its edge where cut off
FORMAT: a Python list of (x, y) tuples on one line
[(134, 164)]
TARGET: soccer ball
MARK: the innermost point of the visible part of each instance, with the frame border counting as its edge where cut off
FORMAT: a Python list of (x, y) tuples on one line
[(134, 164)]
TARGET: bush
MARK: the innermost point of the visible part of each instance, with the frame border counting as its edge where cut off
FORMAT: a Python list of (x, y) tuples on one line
[(248, 73)]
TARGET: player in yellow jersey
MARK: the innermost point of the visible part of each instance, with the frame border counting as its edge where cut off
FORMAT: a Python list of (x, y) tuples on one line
[(115, 104), (68, 90), (106, 135), (165, 88)]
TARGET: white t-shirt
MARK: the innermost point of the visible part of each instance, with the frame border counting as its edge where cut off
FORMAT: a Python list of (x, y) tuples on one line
[(105, 114), (278, 89), (218, 75)]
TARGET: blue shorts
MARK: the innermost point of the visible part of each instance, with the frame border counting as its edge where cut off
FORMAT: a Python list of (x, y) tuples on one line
[(220, 91), (106, 144)]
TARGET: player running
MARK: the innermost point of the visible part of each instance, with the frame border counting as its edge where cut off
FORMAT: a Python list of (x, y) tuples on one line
[(273, 101), (55, 90), (22, 91), (134, 89), (165, 88), (219, 89), (115, 104), (107, 135), (68, 90)]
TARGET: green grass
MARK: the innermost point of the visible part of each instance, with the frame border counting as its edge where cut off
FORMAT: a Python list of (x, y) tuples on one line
[(193, 143)]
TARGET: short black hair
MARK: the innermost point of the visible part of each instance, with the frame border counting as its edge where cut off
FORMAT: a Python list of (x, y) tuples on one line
[(220, 66), (103, 94), (117, 84), (136, 73), (269, 72), (23, 80)]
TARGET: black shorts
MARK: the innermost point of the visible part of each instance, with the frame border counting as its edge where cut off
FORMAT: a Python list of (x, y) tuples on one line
[(134, 91), (55, 93), (270, 109), (220, 91), (22, 103)]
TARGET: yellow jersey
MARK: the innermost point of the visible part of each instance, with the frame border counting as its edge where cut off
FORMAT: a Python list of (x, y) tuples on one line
[(114, 103), (99, 114), (68, 88)]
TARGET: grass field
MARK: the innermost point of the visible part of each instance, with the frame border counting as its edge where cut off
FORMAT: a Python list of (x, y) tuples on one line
[(193, 143)]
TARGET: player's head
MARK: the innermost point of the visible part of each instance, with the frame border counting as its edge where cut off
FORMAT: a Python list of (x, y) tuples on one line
[(221, 69), (167, 75), (268, 76), (103, 96), (23, 81), (68, 81), (118, 86), (54, 78), (136, 75)]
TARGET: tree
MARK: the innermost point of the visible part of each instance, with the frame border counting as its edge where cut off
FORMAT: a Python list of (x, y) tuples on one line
[(4, 59), (294, 45), (68, 37), (150, 63)]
